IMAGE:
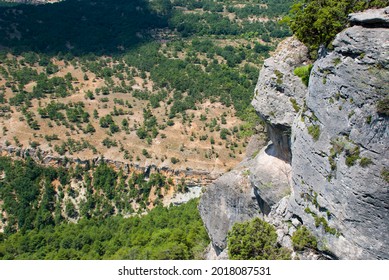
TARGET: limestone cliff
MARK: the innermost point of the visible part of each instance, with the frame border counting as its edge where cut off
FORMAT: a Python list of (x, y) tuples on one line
[(339, 177), (337, 145), (263, 178)]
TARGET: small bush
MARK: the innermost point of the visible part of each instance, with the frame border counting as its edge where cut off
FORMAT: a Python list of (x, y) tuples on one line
[(383, 106), (314, 131), (302, 239), (365, 162), (145, 153), (303, 72), (279, 76), (255, 240), (322, 221), (352, 155), (170, 123), (337, 61), (385, 174), (295, 105)]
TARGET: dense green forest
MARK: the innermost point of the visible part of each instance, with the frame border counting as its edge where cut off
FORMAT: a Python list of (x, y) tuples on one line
[(42, 206), (174, 233), (108, 27), (80, 26), (34, 196)]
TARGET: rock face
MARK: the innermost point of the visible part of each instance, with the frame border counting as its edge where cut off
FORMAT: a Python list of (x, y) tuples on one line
[(377, 18), (263, 178), (337, 145), (227, 201), (338, 177), (276, 91)]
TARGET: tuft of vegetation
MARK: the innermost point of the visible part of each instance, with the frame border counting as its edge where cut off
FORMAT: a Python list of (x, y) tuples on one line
[(352, 155), (303, 239), (383, 106), (304, 72), (314, 131), (385, 174), (174, 160), (322, 221), (337, 61), (365, 162), (295, 105), (255, 240), (279, 76), (319, 220)]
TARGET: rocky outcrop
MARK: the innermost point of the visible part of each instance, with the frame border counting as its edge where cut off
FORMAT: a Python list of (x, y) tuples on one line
[(230, 199), (263, 178), (279, 93), (337, 174), (337, 144), (371, 18)]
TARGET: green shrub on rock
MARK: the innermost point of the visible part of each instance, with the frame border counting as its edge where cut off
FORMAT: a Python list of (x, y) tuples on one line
[(316, 22), (302, 239), (303, 72), (383, 106), (255, 240)]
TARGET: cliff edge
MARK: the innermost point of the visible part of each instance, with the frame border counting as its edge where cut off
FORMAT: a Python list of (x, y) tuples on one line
[(340, 144), (327, 164)]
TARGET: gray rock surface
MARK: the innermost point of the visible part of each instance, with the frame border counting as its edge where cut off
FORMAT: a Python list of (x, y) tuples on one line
[(263, 178), (228, 200), (276, 89), (337, 187), (353, 200), (373, 17), (248, 191), (277, 83)]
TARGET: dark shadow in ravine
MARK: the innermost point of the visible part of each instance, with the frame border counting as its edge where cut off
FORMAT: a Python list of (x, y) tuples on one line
[(78, 26)]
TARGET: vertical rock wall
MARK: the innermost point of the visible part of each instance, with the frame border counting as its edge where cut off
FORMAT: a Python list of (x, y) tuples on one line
[(261, 180), (332, 139), (338, 176)]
